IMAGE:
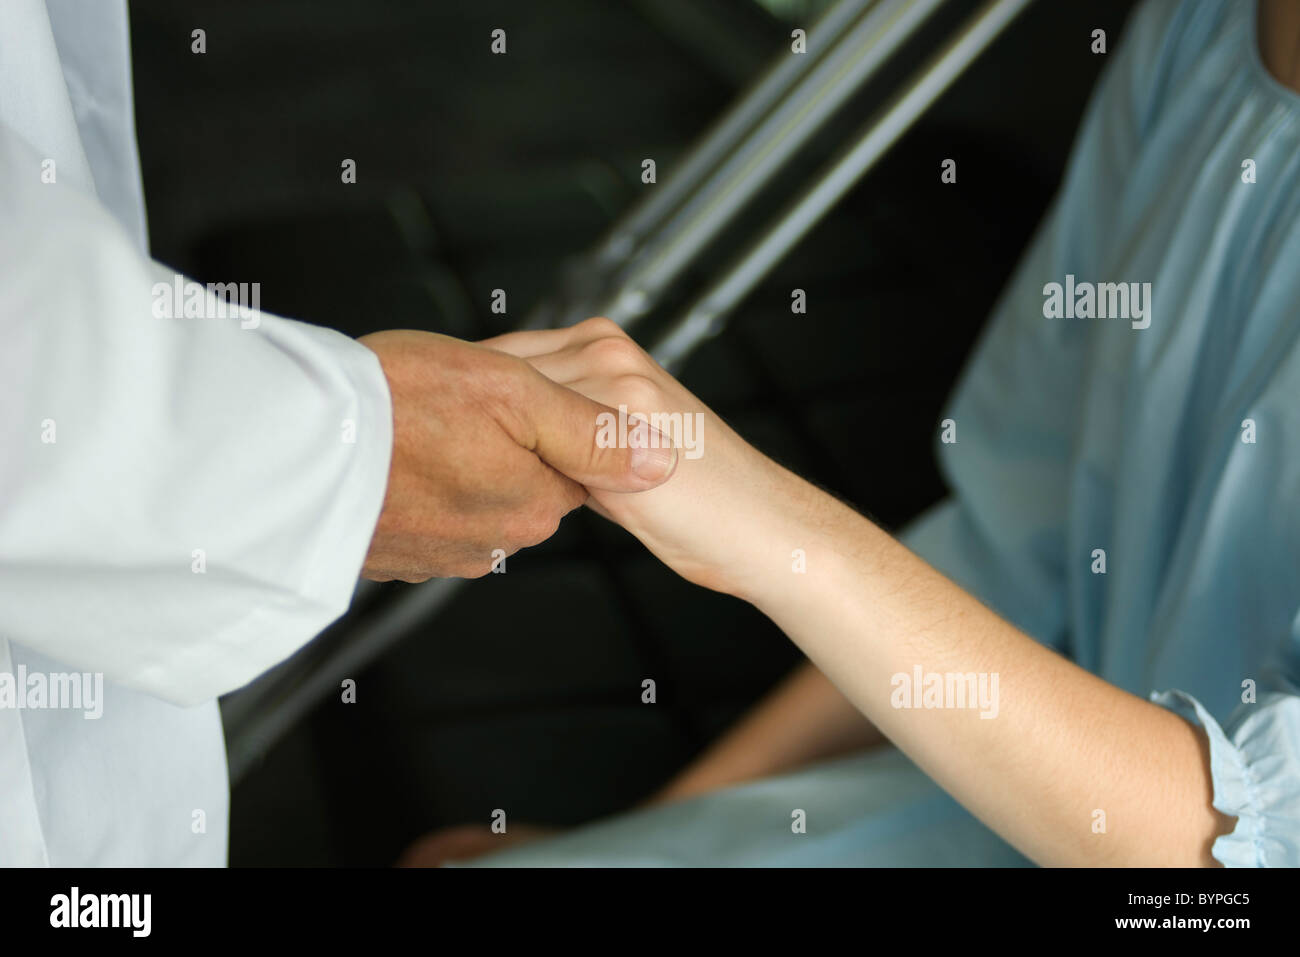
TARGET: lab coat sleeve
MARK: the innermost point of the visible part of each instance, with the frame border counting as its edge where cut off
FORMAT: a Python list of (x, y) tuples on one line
[(1006, 435), (183, 501)]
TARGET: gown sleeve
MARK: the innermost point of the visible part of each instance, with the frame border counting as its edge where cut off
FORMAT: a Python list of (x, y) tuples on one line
[(1255, 764)]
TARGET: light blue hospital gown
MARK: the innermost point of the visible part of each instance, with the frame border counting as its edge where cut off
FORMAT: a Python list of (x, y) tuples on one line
[(1077, 434)]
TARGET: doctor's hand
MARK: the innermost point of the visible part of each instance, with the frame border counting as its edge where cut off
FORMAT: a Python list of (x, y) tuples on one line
[(725, 521), (488, 455)]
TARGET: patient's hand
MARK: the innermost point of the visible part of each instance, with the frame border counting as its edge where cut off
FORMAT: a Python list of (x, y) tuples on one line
[(718, 520)]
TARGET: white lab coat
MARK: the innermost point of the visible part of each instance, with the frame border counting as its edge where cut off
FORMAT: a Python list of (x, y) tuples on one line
[(172, 439)]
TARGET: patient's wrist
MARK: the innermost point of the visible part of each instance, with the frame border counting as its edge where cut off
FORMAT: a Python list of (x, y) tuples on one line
[(818, 548), (793, 536)]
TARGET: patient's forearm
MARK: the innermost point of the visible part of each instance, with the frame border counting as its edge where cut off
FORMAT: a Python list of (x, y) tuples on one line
[(1065, 766), (804, 719), (1059, 747)]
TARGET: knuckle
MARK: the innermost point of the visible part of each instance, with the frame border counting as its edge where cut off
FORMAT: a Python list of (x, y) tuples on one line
[(602, 326), (614, 355), (473, 562), (543, 528)]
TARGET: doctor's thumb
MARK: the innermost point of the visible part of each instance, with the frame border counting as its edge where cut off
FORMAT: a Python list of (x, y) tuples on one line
[(600, 447)]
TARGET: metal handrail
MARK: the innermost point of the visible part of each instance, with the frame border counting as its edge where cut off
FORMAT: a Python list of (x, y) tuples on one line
[(584, 279), (706, 315), (796, 102), (633, 228), (805, 110)]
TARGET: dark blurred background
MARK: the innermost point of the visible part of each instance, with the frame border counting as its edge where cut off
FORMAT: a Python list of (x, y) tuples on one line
[(476, 172)]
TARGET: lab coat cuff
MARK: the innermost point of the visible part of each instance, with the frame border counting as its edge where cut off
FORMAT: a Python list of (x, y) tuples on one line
[(1254, 780), (342, 550)]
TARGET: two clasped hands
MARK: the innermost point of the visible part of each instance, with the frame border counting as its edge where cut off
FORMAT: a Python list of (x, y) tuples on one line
[(495, 442)]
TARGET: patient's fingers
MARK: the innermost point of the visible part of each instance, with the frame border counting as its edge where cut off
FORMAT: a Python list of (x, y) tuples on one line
[(562, 367), (607, 357), (525, 345), (536, 342)]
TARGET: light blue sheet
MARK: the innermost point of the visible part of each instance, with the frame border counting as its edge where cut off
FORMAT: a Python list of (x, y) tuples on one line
[(1077, 434)]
